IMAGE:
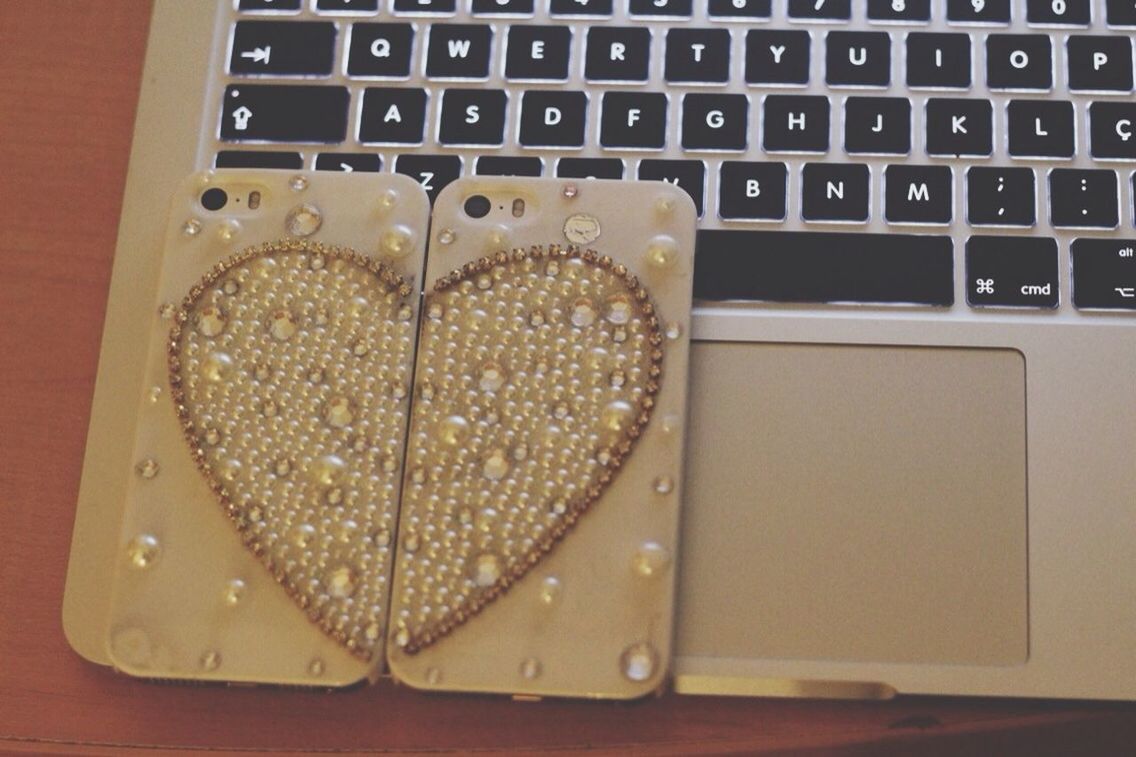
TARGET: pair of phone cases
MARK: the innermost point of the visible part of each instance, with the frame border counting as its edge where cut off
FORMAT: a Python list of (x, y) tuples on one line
[(351, 456)]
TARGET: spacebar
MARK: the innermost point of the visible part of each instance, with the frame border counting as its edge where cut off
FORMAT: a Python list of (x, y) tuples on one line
[(800, 266)]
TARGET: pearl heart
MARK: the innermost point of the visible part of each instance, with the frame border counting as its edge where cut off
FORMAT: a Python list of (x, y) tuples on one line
[(290, 368), (537, 372)]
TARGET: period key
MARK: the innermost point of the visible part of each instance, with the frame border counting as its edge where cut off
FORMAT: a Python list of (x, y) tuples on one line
[(1104, 273), (1016, 272)]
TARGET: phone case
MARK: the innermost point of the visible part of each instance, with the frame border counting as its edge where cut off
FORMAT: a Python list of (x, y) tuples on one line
[(540, 510), (257, 534)]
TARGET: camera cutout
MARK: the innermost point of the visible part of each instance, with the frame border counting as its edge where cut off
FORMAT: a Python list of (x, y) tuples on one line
[(214, 198), (477, 206)]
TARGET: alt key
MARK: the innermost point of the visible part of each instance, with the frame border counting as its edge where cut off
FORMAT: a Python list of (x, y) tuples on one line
[(1017, 272), (1104, 273)]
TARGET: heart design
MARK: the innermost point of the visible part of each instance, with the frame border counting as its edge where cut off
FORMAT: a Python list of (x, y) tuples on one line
[(537, 372), (289, 365)]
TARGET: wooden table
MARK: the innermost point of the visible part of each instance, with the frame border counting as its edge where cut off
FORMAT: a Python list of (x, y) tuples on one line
[(70, 77)]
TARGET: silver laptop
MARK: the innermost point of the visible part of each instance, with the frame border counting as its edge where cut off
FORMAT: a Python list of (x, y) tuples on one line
[(911, 452)]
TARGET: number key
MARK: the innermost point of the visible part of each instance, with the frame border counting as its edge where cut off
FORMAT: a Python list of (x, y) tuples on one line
[(739, 8), (820, 10), (1058, 12), (899, 11), (978, 11)]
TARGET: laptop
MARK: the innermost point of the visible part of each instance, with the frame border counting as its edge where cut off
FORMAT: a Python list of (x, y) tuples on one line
[(913, 412)]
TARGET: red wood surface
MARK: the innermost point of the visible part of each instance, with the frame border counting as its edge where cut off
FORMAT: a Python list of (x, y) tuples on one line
[(69, 77)]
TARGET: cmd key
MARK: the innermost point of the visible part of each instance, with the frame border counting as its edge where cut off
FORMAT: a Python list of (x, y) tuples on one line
[(278, 113), (1007, 271)]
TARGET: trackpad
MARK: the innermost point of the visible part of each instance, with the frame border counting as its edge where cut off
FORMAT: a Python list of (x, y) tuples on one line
[(855, 503)]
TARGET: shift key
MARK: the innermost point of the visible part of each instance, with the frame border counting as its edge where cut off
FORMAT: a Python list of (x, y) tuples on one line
[(1104, 273), (278, 113)]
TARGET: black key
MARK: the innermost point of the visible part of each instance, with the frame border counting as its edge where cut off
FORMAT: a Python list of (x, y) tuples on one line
[(589, 168), (877, 125), (282, 48), (347, 6), (380, 50), (714, 122), (472, 117), (553, 118), (458, 51), (1083, 199), (538, 53), (698, 56), (349, 161), (591, 8), (979, 11), (834, 192), (1019, 61), (938, 61), (1059, 12), (635, 120), (433, 172), (1104, 273), (269, 6), (392, 116), (820, 10), (273, 113), (291, 161), (690, 175), (660, 8), (1000, 196), (776, 56), (752, 191), (1120, 12), (857, 59), (1099, 64), (959, 127), (431, 7), (501, 165), (1040, 128), (918, 194), (1112, 130), (794, 266), (739, 8), (501, 7), (617, 53), (900, 11), (1016, 272), (795, 123)]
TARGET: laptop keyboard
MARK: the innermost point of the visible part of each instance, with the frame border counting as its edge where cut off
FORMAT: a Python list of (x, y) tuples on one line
[(969, 153)]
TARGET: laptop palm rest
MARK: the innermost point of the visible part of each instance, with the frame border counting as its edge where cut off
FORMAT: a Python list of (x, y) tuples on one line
[(854, 504)]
